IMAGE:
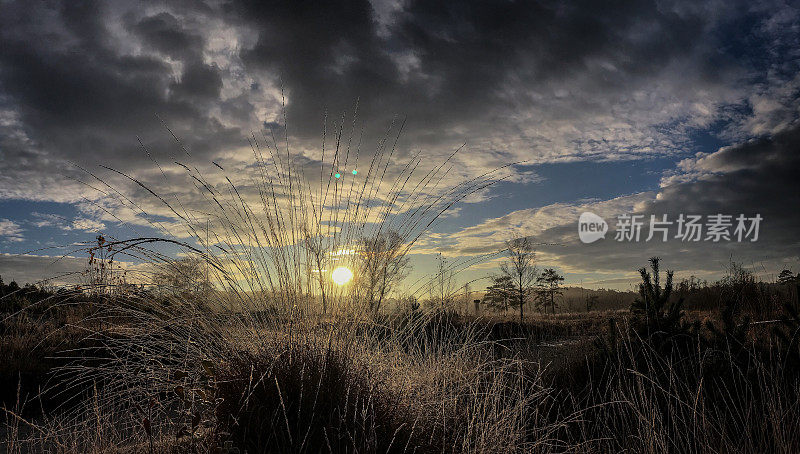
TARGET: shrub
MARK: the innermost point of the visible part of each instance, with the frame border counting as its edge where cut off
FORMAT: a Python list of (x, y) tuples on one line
[(304, 399)]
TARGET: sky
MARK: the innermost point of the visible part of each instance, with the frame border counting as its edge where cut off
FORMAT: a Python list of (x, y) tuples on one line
[(628, 107)]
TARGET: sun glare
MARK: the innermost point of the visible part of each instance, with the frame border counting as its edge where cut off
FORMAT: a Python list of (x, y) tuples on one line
[(341, 275)]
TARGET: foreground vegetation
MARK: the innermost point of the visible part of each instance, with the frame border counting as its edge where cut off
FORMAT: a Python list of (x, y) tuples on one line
[(648, 380), (245, 345)]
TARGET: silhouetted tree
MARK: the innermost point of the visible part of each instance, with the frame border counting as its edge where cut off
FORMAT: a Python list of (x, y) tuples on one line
[(786, 277), (657, 315), (520, 266), (739, 287), (381, 265), (185, 277), (547, 288), (441, 287), (500, 293), (591, 301)]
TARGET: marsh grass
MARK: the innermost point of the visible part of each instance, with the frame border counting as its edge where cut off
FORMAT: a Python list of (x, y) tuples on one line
[(267, 243), (385, 386), (268, 355)]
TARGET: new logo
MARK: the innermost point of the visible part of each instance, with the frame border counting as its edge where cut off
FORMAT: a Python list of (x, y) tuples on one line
[(591, 227)]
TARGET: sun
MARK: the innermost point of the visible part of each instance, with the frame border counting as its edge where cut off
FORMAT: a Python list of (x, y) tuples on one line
[(341, 275)]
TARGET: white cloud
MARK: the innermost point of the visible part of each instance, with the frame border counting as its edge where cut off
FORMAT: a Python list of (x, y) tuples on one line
[(10, 231), (54, 220), (88, 225), (47, 220)]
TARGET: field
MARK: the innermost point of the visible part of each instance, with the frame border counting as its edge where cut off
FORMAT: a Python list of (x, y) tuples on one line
[(409, 381), (277, 317)]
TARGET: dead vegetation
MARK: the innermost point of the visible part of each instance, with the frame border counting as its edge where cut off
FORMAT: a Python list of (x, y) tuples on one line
[(253, 349)]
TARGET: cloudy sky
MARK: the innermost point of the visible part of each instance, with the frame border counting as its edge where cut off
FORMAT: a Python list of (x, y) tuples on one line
[(627, 107)]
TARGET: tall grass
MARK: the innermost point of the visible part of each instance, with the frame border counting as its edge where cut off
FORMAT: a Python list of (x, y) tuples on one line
[(269, 355), (240, 361)]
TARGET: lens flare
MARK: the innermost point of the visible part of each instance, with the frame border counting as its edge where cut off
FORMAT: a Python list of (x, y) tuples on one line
[(341, 275), (338, 175)]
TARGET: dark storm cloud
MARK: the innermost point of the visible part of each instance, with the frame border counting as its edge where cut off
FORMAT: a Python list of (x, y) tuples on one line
[(445, 63), (164, 33), (76, 94), (199, 80), (540, 81)]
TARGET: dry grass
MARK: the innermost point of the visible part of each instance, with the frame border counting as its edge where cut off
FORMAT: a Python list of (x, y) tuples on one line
[(273, 357), (343, 386)]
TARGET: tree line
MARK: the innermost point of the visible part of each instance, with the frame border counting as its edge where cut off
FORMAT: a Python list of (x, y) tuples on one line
[(520, 282)]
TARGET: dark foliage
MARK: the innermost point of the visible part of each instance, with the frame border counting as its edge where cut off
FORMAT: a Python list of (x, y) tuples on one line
[(304, 399)]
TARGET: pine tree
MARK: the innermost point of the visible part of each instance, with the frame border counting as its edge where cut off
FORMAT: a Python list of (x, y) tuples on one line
[(500, 294), (547, 288), (657, 316)]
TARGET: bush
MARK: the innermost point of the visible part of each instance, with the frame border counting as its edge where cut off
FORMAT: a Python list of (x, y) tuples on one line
[(304, 399)]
